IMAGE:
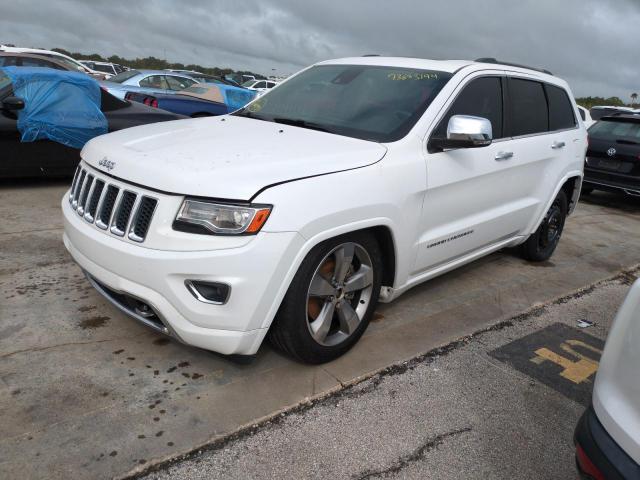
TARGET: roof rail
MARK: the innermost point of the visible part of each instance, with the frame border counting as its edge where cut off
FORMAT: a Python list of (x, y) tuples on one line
[(500, 62)]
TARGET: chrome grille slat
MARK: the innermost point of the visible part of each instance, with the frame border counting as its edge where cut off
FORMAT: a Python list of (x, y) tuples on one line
[(73, 184), (84, 194), (120, 219), (76, 192), (106, 209), (111, 206), (94, 200), (142, 220)]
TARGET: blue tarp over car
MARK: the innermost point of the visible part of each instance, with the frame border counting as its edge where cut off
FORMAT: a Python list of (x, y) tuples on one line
[(60, 106)]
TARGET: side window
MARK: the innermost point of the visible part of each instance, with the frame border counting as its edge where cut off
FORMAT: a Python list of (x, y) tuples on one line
[(36, 62), (528, 107), (179, 83), (482, 97), (8, 61), (560, 109), (260, 85), (155, 81), (270, 84), (583, 116)]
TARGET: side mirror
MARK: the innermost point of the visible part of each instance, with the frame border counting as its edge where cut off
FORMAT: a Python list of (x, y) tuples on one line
[(12, 104), (465, 131)]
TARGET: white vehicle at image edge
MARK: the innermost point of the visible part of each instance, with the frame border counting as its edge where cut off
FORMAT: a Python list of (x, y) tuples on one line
[(607, 437), (353, 181)]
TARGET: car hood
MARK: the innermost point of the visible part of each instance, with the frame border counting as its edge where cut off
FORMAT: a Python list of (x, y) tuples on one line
[(224, 157)]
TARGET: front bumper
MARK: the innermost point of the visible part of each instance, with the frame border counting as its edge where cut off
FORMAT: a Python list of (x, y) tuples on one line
[(255, 270), (602, 452)]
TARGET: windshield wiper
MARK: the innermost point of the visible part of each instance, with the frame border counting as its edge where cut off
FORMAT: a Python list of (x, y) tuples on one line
[(302, 123)]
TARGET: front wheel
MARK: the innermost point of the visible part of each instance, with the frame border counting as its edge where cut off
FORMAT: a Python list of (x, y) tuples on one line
[(541, 245), (331, 299)]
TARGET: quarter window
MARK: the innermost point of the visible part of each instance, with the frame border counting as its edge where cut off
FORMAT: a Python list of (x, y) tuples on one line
[(482, 97), (582, 114), (560, 109), (155, 81), (528, 107)]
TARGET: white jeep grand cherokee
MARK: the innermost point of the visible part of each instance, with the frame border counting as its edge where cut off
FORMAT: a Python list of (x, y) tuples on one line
[(349, 183)]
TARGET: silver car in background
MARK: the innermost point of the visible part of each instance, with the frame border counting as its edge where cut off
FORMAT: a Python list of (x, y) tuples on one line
[(148, 81)]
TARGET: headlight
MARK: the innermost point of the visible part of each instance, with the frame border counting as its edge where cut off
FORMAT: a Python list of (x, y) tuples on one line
[(223, 219)]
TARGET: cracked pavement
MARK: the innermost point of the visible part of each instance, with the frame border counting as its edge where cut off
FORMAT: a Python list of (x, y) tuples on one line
[(456, 412)]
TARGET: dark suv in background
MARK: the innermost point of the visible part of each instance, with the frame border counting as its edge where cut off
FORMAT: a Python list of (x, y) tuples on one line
[(613, 157)]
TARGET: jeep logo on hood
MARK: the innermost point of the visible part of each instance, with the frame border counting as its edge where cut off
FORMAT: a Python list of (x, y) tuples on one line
[(108, 164)]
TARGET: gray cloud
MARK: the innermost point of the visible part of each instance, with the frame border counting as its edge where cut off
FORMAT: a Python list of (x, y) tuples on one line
[(591, 43)]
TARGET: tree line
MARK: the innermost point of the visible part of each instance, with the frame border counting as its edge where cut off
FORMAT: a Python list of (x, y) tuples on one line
[(588, 102), (153, 63)]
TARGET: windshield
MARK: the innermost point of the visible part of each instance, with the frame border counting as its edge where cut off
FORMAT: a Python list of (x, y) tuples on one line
[(249, 83), (363, 101), (616, 129), (124, 76)]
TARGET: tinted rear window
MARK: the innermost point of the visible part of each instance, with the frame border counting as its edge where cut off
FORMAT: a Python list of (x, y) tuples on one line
[(529, 113), (616, 130), (560, 109)]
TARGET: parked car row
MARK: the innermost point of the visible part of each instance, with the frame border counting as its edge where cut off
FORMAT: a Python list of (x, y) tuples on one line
[(199, 100), (49, 157), (59, 57)]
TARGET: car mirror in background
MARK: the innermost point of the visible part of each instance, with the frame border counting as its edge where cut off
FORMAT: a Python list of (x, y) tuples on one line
[(465, 131), (12, 104)]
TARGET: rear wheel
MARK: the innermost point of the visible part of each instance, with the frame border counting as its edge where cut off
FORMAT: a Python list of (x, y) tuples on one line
[(541, 245), (331, 299)]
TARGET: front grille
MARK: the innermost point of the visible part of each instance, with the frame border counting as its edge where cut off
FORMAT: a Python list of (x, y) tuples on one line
[(123, 213), (113, 209)]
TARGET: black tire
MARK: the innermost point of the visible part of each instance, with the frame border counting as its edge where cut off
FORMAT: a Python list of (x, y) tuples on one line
[(540, 246), (291, 331)]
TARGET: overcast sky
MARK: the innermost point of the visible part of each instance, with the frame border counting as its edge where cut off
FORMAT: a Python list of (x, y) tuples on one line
[(593, 44)]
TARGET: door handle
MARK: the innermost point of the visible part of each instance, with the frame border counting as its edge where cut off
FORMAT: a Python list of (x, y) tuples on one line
[(503, 156), (557, 145)]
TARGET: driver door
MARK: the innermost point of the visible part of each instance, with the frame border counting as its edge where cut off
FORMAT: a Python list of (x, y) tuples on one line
[(475, 196)]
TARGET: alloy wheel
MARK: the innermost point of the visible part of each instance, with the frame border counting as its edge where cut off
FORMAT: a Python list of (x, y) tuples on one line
[(339, 294)]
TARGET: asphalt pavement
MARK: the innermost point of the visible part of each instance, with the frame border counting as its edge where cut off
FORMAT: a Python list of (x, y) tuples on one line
[(484, 406)]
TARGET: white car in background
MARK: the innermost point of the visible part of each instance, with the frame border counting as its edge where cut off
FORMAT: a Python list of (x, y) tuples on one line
[(607, 437), (259, 85), (585, 116), (353, 181), (108, 68), (60, 57)]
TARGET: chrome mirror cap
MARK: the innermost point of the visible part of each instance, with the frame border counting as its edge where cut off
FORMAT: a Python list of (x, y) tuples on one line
[(467, 128)]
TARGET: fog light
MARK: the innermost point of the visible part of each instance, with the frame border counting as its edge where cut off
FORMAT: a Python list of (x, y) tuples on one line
[(209, 292)]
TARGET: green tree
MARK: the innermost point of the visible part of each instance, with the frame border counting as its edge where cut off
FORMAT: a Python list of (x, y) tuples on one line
[(634, 97)]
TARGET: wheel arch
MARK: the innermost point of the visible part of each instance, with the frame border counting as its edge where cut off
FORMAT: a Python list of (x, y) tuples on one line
[(571, 183), (381, 230)]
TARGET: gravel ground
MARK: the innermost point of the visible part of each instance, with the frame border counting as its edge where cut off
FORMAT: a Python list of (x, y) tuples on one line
[(456, 412)]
